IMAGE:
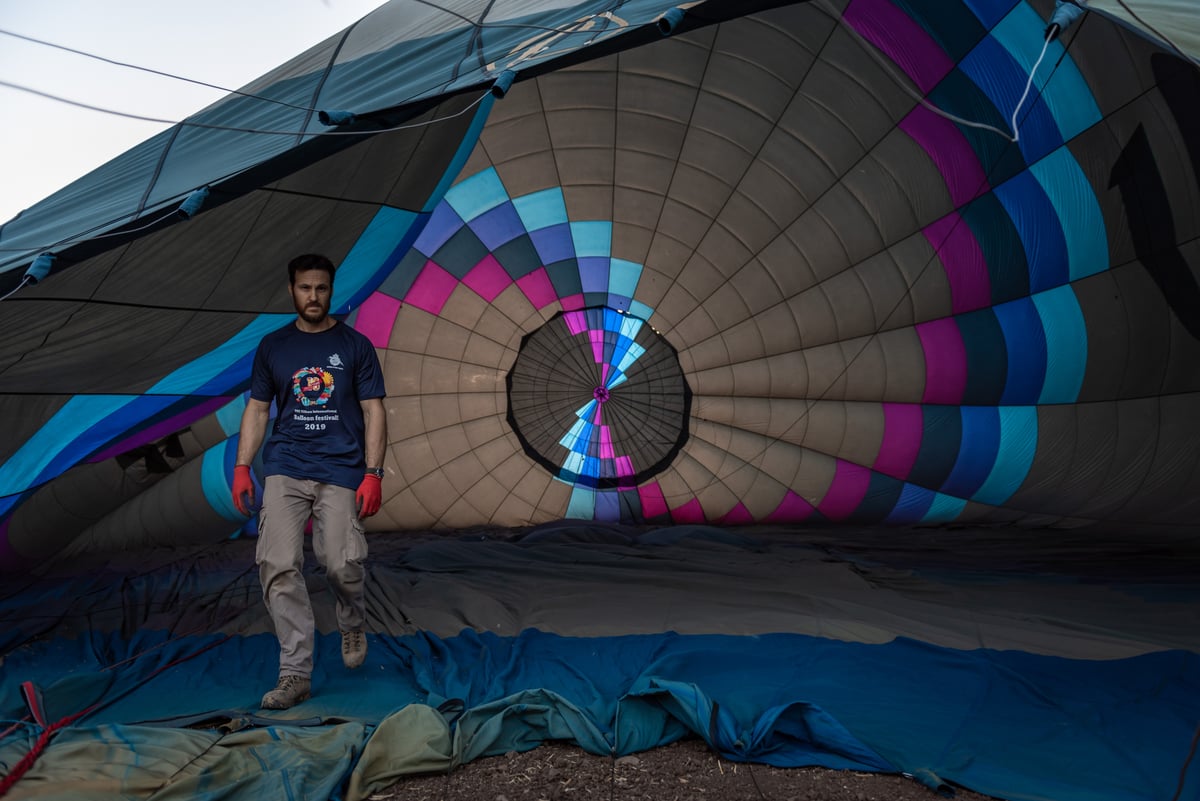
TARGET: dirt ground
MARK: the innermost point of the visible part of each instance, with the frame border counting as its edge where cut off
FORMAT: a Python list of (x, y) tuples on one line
[(685, 770)]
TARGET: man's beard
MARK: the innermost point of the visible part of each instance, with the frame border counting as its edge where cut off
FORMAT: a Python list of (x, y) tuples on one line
[(313, 314)]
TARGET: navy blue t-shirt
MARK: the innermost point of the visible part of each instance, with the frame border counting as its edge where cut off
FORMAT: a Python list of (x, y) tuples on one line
[(316, 382)]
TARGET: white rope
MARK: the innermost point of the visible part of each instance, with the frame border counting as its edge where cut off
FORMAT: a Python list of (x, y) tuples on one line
[(24, 281), (1013, 135), (1016, 137), (155, 221), (267, 132)]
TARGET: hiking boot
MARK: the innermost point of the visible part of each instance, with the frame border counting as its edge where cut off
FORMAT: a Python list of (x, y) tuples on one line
[(354, 649), (290, 691)]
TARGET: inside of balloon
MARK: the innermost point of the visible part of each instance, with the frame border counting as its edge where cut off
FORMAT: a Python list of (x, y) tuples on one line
[(819, 383)]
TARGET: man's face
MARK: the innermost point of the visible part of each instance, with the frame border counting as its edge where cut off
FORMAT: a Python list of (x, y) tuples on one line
[(311, 293)]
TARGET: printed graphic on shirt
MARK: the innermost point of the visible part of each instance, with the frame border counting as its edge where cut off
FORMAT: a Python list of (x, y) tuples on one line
[(312, 386)]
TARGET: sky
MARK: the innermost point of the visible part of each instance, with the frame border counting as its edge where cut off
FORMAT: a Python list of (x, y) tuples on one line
[(46, 144)]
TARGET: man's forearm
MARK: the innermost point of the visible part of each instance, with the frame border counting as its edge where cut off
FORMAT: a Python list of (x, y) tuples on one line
[(252, 431), (375, 425)]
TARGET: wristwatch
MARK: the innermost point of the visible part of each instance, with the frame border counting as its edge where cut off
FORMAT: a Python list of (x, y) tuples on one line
[(375, 471)]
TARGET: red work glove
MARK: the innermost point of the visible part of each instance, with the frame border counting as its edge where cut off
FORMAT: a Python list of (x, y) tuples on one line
[(243, 489), (369, 496)]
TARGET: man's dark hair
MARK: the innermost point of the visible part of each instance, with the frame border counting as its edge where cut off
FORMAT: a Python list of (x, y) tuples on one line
[(310, 261)]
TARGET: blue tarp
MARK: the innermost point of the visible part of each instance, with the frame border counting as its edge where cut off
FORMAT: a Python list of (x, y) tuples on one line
[(1010, 723)]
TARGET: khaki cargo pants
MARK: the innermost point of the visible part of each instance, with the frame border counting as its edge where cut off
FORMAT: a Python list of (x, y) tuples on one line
[(339, 546)]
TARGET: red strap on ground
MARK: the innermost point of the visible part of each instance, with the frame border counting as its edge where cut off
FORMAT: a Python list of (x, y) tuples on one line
[(27, 761), (33, 699)]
